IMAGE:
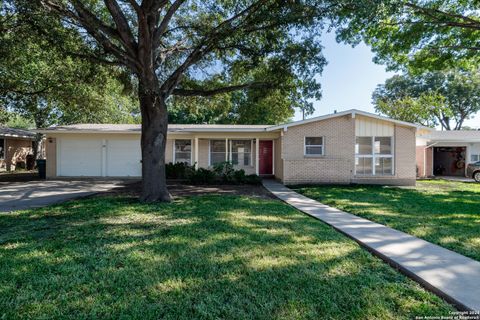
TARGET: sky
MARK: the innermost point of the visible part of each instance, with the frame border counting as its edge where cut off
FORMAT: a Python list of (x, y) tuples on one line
[(349, 79)]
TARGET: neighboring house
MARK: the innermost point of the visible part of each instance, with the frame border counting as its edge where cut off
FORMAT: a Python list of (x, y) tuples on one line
[(15, 145), (346, 147), (446, 153)]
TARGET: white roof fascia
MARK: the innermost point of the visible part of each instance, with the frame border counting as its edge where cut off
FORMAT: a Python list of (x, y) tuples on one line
[(50, 131), (17, 136)]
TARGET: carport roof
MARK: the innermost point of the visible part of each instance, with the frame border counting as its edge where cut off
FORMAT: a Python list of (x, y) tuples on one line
[(453, 136), (16, 133)]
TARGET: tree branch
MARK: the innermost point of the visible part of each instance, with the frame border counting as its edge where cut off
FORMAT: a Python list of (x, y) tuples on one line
[(212, 92), (96, 28), (206, 45), (123, 27), (165, 22), (135, 6), (469, 22)]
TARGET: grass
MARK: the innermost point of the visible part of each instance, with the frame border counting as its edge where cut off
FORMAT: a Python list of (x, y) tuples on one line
[(208, 257), (443, 212)]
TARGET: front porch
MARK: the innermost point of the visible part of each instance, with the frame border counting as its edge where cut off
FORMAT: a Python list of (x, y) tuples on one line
[(256, 154)]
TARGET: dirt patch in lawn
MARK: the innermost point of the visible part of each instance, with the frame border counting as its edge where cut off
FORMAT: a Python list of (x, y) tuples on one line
[(181, 190)]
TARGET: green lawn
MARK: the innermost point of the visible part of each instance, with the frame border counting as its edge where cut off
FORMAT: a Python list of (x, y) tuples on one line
[(205, 257), (443, 212)]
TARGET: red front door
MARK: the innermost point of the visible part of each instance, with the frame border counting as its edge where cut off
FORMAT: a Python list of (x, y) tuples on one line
[(265, 151)]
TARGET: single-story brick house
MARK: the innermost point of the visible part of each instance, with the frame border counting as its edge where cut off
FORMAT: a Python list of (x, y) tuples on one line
[(345, 147), (447, 153), (15, 145)]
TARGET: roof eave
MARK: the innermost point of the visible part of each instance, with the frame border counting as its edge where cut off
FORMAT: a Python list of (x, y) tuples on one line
[(17, 136), (352, 112), (53, 131)]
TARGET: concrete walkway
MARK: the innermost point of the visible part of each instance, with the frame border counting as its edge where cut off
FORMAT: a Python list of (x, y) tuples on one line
[(452, 276)]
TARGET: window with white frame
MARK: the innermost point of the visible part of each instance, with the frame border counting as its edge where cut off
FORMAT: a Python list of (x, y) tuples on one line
[(241, 152), (183, 151), (218, 151), (313, 146), (2, 149), (373, 156), (475, 157)]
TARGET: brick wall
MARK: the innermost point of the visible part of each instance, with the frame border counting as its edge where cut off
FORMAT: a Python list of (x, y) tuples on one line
[(16, 150), (337, 163)]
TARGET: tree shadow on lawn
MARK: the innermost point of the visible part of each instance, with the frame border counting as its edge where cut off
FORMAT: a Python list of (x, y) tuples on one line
[(449, 218), (199, 257)]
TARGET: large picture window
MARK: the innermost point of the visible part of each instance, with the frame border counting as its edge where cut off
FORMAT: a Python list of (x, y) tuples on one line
[(183, 151), (373, 156), (313, 146), (241, 152), (2, 149), (218, 150), (238, 152)]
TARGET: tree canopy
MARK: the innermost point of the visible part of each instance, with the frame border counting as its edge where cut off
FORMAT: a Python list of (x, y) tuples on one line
[(447, 98), (41, 82), (415, 34)]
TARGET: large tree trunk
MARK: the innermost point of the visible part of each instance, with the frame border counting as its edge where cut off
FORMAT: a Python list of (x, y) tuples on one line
[(37, 146), (154, 139)]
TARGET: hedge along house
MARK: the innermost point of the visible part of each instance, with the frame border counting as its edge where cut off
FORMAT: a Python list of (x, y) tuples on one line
[(447, 153), (15, 145), (346, 147)]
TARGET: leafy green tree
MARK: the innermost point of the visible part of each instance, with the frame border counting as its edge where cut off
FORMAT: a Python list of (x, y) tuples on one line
[(262, 105), (41, 84), (445, 98), (14, 120), (177, 47), (418, 34)]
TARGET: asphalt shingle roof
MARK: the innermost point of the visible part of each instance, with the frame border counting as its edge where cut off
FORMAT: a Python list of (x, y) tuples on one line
[(12, 132)]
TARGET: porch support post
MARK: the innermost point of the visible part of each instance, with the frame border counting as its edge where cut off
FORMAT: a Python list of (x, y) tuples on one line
[(227, 149), (257, 156), (195, 154)]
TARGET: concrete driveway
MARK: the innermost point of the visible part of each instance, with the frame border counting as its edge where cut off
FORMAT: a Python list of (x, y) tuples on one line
[(25, 195)]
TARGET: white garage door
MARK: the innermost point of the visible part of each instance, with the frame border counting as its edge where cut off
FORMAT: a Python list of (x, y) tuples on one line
[(123, 158), (79, 157), (88, 157)]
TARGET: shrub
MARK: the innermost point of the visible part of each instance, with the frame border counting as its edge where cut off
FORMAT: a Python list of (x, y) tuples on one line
[(202, 176), (239, 176), (179, 170), (225, 171)]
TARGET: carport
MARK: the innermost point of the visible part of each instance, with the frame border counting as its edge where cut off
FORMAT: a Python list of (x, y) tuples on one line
[(447, 153), (449, 161)]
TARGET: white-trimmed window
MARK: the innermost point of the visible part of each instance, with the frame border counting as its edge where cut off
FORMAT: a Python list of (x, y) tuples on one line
[(314, 146), (474, 157), (218, 151), (2, 149), (183, 151), (374, 156), (241, 152)]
